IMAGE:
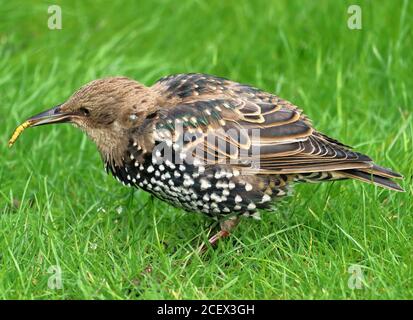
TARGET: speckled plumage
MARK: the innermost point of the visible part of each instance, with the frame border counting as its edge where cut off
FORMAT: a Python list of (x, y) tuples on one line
[(292, 150), (237, 172)]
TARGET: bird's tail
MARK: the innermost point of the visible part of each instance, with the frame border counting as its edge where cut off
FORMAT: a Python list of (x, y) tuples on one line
[(377, 175)]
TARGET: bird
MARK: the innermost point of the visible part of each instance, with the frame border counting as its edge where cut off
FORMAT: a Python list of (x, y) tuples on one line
[(207, 144)]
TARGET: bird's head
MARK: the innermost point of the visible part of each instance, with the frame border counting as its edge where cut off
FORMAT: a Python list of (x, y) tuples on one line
[(105, 109)]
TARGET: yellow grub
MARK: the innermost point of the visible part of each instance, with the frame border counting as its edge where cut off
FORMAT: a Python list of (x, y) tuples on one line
[(18, 132)]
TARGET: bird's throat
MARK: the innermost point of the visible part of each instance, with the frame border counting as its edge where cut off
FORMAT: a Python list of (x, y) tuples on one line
[(112, 145)]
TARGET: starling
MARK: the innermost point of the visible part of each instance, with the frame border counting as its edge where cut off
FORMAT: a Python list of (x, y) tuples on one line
[(207, 144)]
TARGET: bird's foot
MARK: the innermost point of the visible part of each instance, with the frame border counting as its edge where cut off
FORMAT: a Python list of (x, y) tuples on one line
[(226, 227)]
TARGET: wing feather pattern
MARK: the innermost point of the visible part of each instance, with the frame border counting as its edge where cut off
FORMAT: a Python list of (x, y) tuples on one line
[(244, 125)]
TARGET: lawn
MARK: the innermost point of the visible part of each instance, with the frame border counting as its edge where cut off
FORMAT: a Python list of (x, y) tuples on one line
[(63, 218)]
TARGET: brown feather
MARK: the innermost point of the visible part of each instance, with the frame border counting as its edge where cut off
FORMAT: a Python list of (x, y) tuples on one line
[(287, 141)]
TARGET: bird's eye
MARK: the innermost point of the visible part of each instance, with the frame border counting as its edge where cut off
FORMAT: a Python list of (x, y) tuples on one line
[(84, 111)]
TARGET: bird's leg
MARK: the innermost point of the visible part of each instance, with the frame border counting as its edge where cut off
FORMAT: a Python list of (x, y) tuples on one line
[(226, 227)]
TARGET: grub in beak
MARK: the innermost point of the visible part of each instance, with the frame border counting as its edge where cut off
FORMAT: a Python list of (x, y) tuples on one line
[(53, 115)]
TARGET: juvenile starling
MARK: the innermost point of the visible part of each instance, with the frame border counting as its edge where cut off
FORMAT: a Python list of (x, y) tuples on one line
[(207, 144)]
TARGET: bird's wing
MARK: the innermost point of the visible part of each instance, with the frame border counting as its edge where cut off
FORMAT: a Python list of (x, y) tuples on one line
[(228, 122), (256, 135)]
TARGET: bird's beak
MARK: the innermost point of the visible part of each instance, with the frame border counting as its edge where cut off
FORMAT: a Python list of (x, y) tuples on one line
[(54, 115)]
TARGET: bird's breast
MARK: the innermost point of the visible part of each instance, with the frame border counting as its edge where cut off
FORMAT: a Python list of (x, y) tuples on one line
[(214, 190)]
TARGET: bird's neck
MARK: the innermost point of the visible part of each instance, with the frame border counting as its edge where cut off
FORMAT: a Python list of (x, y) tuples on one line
[(112, 144)]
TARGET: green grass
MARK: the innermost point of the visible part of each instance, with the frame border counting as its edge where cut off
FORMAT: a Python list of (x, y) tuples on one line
[(59, 208)]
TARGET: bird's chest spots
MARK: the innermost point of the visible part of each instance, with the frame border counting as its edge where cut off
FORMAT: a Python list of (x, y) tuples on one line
[(212, 190), (182, 185)]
